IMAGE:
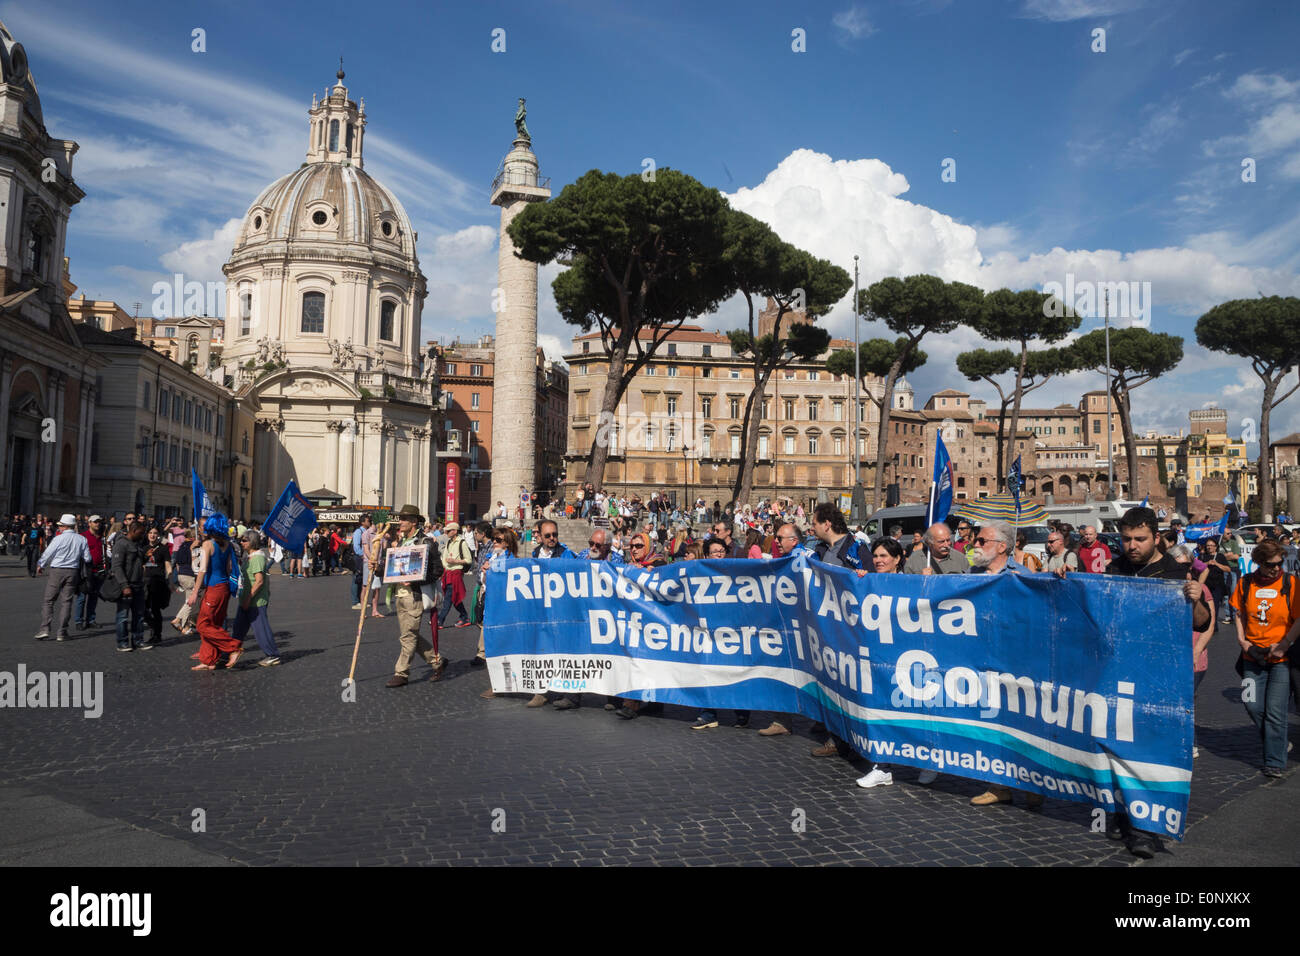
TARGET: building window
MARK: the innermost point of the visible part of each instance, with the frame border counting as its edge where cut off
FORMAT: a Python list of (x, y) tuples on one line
[(735, 446), (733, 404), (245, 313), (164, 397), (169, 332), (788, 444), (735, 373), (474, 426), (387, 313), (148, 394), (706, 445), (473, 400), (812, 444), (762, 447), (143, 458), (839, 446), (670, 435), (672, 349), (672, 371), (189, 412), (706, 407), (789, 409), (185, 459), (672, 406), (313, 312), (706, 372), (1096, 426), (476, 370), (451, 368), (862, 448), (837, 411), (649, 438), (159, 448), (650, 370), (220, 422), (174, 457), (814, 376), (708, 351), (812, 410), (244, 443), (334, 136)]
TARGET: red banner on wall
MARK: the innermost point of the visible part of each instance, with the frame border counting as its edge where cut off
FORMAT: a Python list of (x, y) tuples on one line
[(451, 509)]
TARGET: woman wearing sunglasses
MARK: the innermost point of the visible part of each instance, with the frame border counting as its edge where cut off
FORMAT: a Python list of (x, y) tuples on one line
[(1267, 603)]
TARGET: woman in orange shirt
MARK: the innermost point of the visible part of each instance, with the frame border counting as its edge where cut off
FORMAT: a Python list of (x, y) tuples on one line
[(1268, 620)]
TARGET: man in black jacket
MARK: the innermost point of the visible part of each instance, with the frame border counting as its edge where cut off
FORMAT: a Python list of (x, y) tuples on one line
[(127, 574)]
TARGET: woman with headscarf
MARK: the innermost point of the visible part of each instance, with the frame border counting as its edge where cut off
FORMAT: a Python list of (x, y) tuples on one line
[(505, 543), (641, 554)]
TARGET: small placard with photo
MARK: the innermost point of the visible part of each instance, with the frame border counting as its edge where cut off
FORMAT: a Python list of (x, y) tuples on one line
[(403, 565)]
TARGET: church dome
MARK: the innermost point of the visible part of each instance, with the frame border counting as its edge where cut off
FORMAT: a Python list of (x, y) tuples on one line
[(330, 198), (324, 201), (15, 71)]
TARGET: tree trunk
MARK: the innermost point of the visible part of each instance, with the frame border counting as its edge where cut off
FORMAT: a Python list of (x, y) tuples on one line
[(614, 385), (1126, 429), (743, 487), (1264, 477), (1015, 412), (882, 436)]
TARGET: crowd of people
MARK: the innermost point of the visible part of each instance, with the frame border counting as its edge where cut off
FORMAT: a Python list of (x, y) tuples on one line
[(138, 563)]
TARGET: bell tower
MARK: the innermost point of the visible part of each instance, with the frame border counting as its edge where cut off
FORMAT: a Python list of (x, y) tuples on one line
[(336, 126)]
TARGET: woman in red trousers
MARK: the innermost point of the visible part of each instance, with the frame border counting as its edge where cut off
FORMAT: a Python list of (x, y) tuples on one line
[(217, 575)]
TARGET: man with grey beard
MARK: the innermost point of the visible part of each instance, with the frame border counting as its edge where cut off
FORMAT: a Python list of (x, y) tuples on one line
[(936, 556)]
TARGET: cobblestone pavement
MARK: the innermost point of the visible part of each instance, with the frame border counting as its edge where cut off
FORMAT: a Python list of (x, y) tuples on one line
[(286, 772)]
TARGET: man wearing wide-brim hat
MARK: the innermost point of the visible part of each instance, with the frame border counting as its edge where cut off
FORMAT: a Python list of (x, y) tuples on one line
[(64, 557), (410, 607)]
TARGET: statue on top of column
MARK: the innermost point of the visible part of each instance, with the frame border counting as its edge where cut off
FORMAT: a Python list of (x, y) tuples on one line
[(521, 127)]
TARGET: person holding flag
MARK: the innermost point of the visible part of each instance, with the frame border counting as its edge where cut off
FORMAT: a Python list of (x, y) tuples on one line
[(937, 556)]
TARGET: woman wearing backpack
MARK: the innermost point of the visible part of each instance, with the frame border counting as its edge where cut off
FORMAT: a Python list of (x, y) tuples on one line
[(1267, 602), (217, 574)]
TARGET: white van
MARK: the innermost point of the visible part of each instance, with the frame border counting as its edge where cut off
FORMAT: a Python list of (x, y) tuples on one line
[(1102, 515)]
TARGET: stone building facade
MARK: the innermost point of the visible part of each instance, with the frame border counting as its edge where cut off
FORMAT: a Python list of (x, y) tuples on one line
[(47, 377)]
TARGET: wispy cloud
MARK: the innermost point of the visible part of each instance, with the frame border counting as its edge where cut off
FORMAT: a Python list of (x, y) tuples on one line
[(1060, 10), (1180, 57), (853, 23)]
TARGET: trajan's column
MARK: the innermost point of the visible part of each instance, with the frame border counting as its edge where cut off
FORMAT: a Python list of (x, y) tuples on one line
[(514, 387)]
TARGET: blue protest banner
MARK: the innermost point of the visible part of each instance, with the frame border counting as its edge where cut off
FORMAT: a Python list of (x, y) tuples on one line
[(291, 519), (1079, 688), (1195, 532), (202, 504)]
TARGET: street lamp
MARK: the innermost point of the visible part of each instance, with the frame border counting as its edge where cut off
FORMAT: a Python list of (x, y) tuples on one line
[(686, 475), (858, 506)]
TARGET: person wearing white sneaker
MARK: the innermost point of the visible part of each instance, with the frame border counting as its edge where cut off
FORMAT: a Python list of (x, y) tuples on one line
[(878, 777)]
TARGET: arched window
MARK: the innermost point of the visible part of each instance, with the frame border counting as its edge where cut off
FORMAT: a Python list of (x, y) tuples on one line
[(245, 313), (334, 136), (387, 312), (313, 311), (349, 139)]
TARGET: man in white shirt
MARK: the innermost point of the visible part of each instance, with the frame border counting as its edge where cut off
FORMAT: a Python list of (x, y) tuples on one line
[(63, 556)]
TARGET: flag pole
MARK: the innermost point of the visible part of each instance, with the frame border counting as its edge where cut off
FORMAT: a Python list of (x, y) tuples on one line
[(357, 646)]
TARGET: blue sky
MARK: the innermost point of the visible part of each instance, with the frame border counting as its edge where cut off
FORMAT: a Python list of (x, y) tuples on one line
[(1122, 165)]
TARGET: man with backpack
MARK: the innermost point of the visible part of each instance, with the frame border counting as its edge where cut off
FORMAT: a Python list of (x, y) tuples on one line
[(455, 559)]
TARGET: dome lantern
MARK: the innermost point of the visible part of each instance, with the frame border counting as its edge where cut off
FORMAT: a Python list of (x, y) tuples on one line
[(336, 127)]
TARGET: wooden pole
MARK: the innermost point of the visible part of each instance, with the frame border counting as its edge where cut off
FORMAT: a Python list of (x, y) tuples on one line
[(357, 647)]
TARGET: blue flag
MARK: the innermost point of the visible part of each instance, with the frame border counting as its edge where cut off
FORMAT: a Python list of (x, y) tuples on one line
[(1144, 501), (291, 519), (1016, 481), (202, 504), (1195, 532), (941, 488)]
